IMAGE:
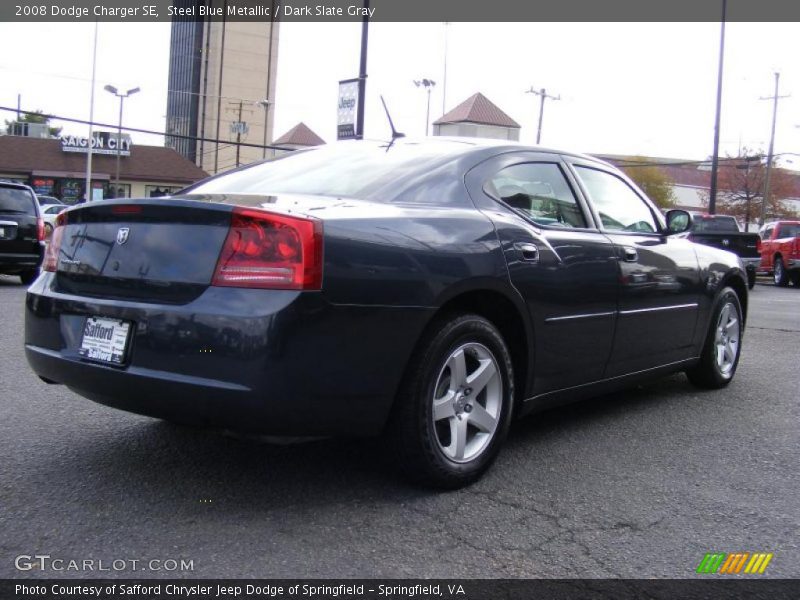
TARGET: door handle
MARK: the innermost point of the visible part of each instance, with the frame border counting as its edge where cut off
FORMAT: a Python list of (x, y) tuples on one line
[(629, 254), (530, 252)]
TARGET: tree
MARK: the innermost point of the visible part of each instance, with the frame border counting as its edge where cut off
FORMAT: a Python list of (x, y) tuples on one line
[(740, 188), (652, 180), (36, 116)]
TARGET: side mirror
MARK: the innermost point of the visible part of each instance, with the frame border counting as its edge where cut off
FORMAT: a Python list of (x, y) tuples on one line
[(678, 221)]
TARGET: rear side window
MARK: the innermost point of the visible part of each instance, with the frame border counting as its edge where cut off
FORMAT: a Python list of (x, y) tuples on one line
[(540, 191), (785, 231), (715, 224), (16, 201), (619, 207)]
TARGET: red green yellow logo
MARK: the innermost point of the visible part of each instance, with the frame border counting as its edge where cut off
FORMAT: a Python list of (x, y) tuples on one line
[(737, 563)]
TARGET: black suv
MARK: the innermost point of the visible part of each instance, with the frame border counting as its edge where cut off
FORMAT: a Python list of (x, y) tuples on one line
[(21, 232)]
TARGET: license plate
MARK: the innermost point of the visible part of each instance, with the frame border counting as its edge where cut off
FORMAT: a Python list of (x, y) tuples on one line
[(105, 340)]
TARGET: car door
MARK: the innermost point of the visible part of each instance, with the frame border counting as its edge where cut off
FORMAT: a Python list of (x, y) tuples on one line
[(658, 274), (564, 268)]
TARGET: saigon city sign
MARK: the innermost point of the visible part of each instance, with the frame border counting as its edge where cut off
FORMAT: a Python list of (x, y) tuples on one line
[(103, 142)]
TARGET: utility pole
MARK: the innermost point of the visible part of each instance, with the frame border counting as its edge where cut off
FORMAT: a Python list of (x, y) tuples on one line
[(362, 74), (774, 99), (543, 95), (712, 194), (238, 127)]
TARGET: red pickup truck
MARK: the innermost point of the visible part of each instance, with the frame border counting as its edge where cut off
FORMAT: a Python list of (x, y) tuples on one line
[(780, 251)]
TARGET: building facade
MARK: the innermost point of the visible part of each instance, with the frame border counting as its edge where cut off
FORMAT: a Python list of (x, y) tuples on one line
[(57, 167), (222, 78)]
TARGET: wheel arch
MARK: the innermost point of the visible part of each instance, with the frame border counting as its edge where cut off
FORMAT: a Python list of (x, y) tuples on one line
[(509, 315), (739, 285)]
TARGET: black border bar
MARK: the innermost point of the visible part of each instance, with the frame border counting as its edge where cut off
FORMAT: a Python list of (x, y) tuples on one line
[(402, 10), (711, 588)]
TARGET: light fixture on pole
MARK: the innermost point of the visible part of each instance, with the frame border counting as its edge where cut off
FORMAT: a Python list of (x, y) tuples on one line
[(428, 84), (121, 95), (265, 103)]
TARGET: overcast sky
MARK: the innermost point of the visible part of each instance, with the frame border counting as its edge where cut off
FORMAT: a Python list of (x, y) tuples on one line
[(637, 88)]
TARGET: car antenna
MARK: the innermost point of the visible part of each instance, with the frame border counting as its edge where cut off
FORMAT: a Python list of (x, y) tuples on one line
[(395, 134)]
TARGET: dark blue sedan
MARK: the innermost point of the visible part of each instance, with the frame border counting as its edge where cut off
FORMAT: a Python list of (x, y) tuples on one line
[(425, 291)]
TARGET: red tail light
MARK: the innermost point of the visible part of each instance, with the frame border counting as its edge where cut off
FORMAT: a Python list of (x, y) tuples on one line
[(268, 250), (126, 209), (758, 243), (40, 234), (53, 249)]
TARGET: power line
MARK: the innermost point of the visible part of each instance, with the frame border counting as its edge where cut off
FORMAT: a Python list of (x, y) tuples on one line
[(140, 130)]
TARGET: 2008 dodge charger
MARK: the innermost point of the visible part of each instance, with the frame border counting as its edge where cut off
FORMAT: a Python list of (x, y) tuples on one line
[(426, 291)]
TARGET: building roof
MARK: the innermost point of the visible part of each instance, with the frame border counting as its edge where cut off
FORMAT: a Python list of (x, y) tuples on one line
[(299, 135), (478, 109), (44, 157), (690, 173)]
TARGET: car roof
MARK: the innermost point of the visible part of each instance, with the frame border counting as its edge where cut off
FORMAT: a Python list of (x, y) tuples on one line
[(14, 184), (466, 146)]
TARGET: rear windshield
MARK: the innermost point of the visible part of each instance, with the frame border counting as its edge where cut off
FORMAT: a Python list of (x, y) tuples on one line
[(361, 170), (715, 224), (16, 201)]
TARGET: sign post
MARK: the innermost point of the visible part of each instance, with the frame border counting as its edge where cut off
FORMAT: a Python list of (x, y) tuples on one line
[(348, 107)]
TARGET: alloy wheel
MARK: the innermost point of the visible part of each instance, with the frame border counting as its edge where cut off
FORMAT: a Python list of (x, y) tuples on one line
[(467, 400), (726, 341)]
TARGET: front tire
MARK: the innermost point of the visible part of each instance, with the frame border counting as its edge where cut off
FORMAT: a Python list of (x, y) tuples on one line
[(29, 276), (780, 276), (751, 278), (722, 348), (454, 407)]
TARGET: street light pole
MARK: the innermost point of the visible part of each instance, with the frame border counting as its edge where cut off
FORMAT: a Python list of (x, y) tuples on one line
[(428, 84), (111, 89), (265, 103), (712, 195), (362, 73)]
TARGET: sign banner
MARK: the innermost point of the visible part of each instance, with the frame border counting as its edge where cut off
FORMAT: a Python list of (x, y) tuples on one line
[(348, 108), (103, 142)]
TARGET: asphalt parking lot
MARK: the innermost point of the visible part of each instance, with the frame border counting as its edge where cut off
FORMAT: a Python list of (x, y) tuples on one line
[(638, 484)]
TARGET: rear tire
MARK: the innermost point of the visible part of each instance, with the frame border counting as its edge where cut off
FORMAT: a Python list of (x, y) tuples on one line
[(780, 276), (720, 355), (454, 406), (794, 276), (29, 276)]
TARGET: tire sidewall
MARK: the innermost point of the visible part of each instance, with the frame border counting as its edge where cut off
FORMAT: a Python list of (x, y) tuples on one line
[(456, 333), (727, 296)]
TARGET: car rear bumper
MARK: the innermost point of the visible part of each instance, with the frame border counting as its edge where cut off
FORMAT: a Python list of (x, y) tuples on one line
[(14, 262), (752, 263), (262, 361)]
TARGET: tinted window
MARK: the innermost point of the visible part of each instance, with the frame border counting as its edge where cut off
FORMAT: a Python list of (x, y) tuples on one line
[(16, 200), (619, 207), (356, 170), (714, 224), (540, 191), (785, 231)]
